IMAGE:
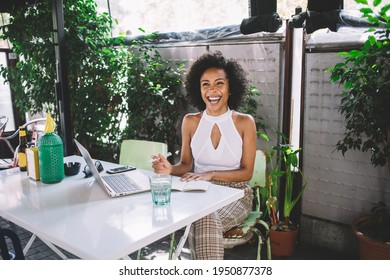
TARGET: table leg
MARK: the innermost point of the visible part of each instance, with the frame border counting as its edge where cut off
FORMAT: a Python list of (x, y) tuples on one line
[(55, 249), (29, 243), (181, 243), (50, 245)]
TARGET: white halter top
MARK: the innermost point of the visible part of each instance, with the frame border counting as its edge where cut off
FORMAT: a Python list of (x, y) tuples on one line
[(227, 156)]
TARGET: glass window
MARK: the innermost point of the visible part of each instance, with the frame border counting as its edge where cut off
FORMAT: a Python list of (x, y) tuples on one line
[(5, 97), (173, 15), (179, 15)]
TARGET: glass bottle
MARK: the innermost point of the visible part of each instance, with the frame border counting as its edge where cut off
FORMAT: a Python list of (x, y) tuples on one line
[(22, 158), (51, 158)]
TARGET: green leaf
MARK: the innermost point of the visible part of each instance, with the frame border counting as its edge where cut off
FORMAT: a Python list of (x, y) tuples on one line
[(373, 19), (263, 135), (385, 9), (361, 2), (377, 2), (366, 10), (342, 53), (372, 40)]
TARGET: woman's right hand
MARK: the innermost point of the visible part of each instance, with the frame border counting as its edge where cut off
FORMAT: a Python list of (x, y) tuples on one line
[(161, 165)]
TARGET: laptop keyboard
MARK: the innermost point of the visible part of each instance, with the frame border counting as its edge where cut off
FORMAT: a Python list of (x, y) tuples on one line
[(121, 183)]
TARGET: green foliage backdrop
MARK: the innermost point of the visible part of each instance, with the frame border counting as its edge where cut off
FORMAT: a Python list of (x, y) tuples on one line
[(365, 76), (116, 91)]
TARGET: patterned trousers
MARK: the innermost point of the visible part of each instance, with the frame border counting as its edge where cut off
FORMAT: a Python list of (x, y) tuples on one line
[(206, 235)]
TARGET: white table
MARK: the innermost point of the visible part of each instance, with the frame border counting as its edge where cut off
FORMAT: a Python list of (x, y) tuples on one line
[(79, 217)]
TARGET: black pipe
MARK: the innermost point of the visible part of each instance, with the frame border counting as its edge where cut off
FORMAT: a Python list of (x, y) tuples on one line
[(61, 82)]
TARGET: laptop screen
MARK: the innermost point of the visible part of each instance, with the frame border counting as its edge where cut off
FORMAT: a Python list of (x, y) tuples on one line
[(91, 165)]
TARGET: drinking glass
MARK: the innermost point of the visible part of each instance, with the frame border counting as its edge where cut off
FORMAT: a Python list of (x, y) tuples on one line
[(160, 187)]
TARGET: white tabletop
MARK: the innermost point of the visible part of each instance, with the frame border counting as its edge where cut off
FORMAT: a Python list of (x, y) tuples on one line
[(79, 217)]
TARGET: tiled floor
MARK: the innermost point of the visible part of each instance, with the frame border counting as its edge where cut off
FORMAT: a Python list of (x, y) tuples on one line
[(159, 249)]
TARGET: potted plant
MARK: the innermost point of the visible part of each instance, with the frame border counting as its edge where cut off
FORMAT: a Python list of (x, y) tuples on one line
[(373, 233), (283, 164), (365, 75)]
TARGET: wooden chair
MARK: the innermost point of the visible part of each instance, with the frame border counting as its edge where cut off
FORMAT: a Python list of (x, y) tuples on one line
[(5, 246), (242, 233)]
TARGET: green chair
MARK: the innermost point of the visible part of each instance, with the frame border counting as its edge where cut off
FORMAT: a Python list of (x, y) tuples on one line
[(138, 153), (242, 233)]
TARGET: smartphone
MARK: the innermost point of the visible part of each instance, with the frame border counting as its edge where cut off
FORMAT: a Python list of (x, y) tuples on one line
[(120, 169)]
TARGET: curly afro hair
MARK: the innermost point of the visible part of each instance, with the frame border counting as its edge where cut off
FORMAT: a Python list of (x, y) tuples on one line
[(238, 84)]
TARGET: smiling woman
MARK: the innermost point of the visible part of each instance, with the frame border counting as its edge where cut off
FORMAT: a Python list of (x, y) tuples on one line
[(215, 90), (218, 145)]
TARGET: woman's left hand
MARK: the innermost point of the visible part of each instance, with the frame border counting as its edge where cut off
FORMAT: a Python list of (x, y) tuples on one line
[(189, 176)]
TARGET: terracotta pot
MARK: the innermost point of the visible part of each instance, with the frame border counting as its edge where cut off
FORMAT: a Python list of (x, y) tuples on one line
[(283, 243), (369, 249)]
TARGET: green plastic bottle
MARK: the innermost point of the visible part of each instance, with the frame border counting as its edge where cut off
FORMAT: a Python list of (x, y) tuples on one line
[(51, 158)]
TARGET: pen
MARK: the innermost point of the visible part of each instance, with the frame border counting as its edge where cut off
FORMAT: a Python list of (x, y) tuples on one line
[(165, 155)]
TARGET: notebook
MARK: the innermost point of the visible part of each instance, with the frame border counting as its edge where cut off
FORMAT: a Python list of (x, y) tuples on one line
[(184, 186), (116, 184)]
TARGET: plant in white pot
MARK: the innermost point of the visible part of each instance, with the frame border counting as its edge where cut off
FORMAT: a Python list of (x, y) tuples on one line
[(365, 76)]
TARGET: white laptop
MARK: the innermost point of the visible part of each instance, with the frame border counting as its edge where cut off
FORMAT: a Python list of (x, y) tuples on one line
[(116, 184)]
